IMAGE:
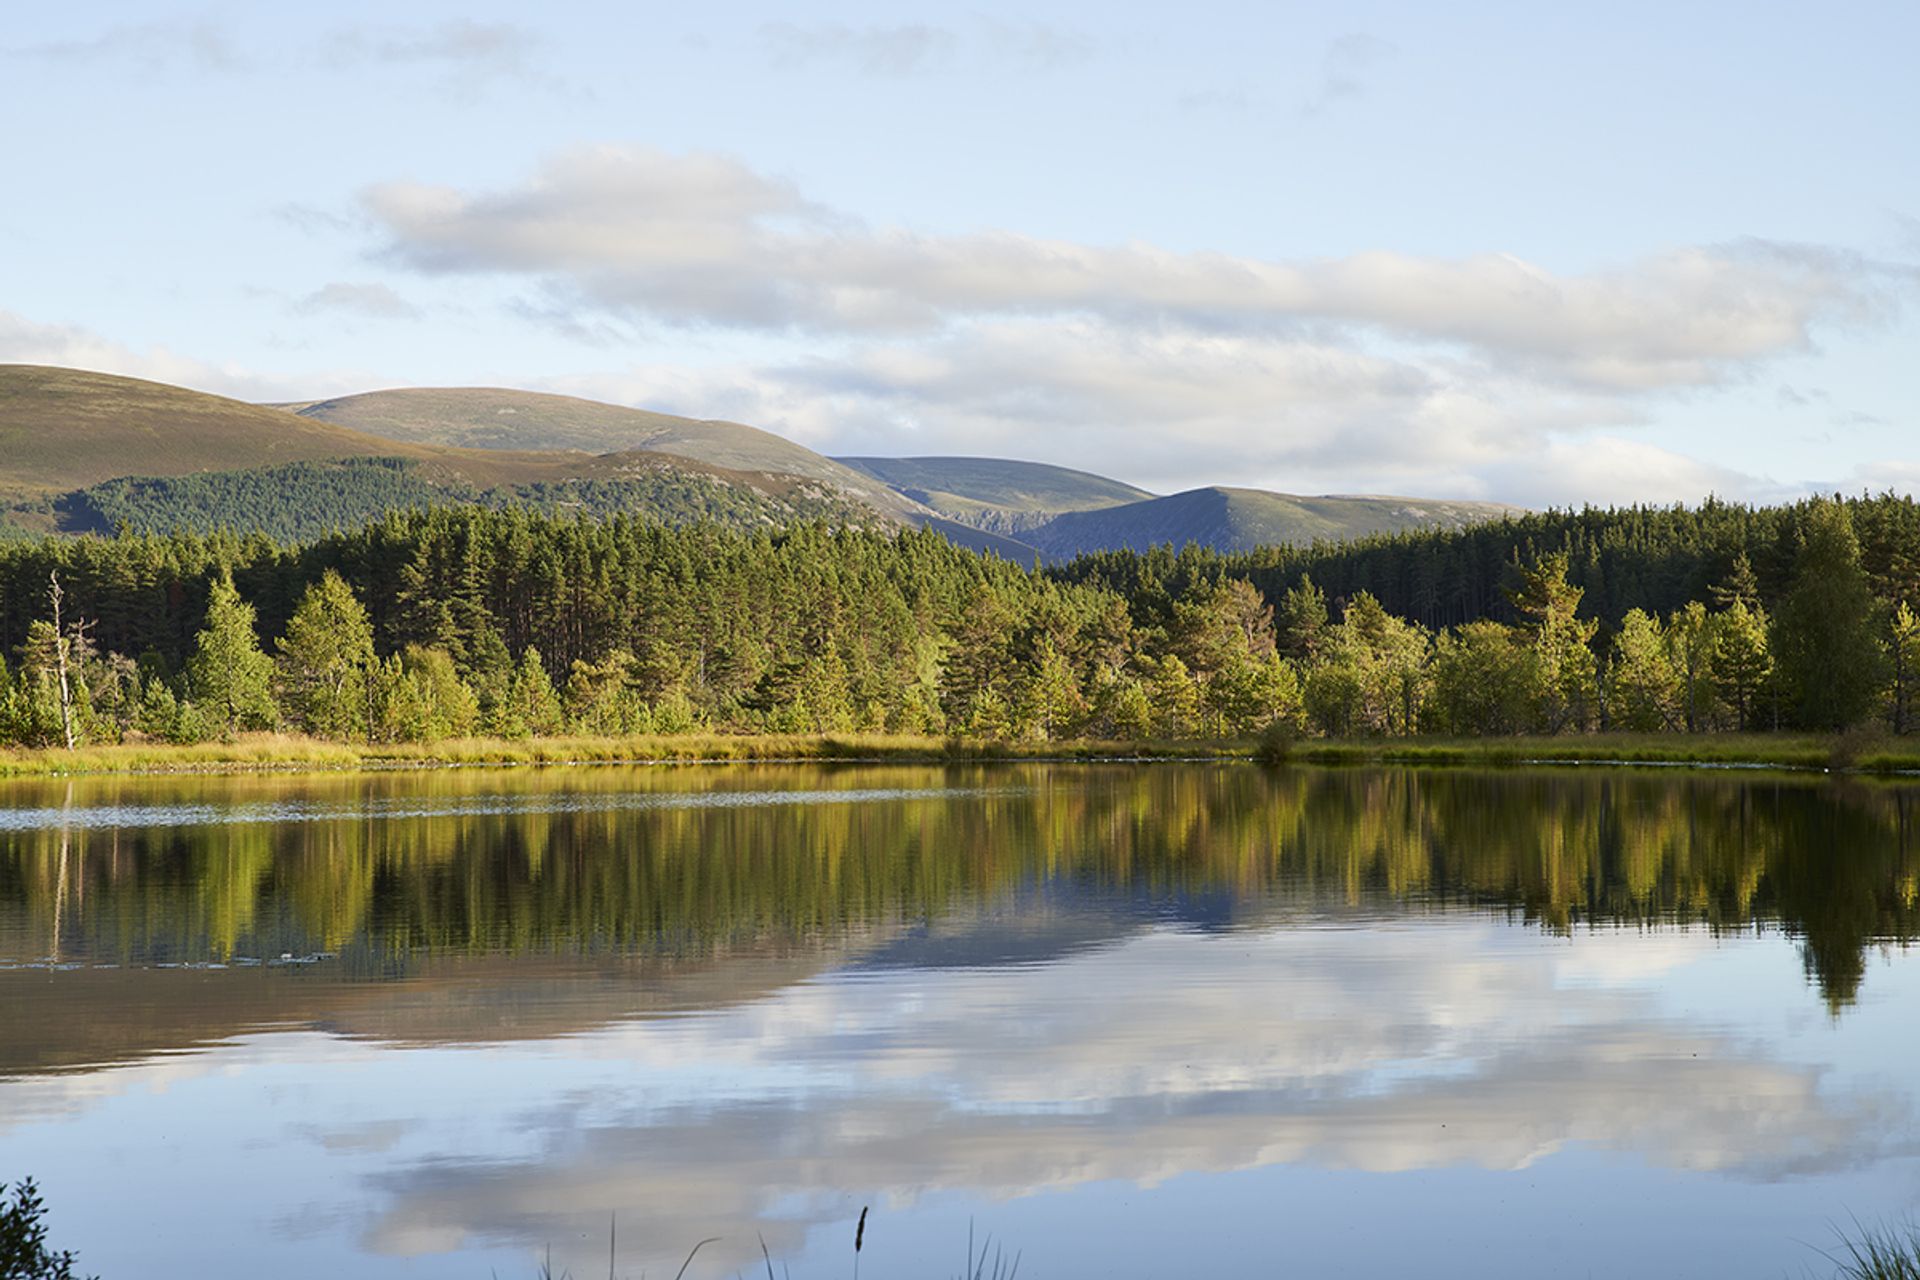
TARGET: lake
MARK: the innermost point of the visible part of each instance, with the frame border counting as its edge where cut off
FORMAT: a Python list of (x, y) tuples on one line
[(1153, 1020)]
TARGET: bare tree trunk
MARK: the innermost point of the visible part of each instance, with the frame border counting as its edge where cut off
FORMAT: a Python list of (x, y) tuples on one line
[(60, 660)]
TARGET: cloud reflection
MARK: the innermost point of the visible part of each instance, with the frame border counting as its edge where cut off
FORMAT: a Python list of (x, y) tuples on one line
[(1384, 1050)]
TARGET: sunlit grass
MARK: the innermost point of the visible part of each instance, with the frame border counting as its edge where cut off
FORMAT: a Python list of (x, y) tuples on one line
[(264, 752)]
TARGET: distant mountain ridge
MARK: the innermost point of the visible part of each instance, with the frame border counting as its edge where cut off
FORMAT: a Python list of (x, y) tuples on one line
[(997, 494), (494, 418), (1231, 519), (82, 451), (1062, 513)]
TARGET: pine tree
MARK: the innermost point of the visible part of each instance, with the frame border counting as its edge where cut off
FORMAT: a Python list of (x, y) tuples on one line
[(325, 658), (1824, 642), (1903, 652), (1174, 698), (1743, 663), (1643, 689), (229, 678), (1548, 606), (1302, 623), (1693, 644), (532, 705)]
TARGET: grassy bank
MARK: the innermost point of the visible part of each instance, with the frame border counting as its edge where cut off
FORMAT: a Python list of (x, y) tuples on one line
[(276, 752)]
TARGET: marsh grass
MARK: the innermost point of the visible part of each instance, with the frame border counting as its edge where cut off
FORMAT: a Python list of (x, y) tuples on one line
[(266, 752), (1877, 1253)]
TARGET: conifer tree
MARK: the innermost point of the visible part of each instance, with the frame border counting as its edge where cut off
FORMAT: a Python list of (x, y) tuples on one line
[(325, 659), (1824, 641), (1548, 606), (230, 680), (1743, 663), (1903, 653), (1301, 625), (1643, 689)]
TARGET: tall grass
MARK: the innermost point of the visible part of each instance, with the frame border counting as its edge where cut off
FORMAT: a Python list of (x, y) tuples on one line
[(1878, 1253), (269, 752)]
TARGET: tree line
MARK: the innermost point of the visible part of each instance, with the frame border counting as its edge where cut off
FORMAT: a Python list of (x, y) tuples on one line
[(451, 622), (1567, 850)]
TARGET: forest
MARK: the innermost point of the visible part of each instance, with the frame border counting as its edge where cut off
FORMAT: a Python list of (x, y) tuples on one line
[(454, 622)]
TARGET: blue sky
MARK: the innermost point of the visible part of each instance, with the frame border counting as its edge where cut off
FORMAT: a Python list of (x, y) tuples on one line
[(1543, 254)]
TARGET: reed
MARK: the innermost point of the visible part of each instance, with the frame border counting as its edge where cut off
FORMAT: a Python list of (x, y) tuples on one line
[(1878, 1253), (1852, 753)]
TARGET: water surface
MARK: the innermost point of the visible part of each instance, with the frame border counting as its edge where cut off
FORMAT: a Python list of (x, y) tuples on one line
[(1133, 1021)]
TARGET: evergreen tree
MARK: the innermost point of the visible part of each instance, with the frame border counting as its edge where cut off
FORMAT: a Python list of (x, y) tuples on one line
[(1301, 627), (325, 659), (1643, 689), (1824, 640), (1174, 698), (1743, 663), (532, 704), (1548, 607), (1483, 681), (1693, 650), (230, 679), (1903, 652)]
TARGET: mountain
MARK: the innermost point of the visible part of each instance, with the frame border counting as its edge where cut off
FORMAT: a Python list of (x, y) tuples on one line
[(1242, 519), (89, 452), (66, 429), (84, 451), (997, 494), (480, 418)]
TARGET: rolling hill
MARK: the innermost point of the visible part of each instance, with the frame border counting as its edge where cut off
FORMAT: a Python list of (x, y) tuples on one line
[(90, 452), (997, 494), (1242, 519), (483, 418), (64, 429)]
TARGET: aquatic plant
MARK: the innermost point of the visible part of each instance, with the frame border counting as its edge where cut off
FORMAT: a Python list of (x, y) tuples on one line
[(24, 1254)]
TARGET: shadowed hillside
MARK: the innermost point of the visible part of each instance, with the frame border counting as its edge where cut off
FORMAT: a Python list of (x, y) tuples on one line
[(494, 418), (1242, 519), (997, 494)]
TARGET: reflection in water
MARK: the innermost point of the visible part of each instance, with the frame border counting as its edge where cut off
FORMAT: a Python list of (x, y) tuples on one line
[(721, 1001), (694, 861)]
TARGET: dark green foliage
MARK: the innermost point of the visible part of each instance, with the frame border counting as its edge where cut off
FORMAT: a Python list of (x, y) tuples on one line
[(1652, 558), (423, 625), (1824, 637), (300, 501), (294, 501), (24, 1254)]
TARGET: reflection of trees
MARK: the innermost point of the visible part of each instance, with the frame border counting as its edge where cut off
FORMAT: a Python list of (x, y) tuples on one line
[(674, 861)]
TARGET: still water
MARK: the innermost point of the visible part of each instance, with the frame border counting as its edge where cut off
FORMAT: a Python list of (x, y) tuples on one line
[(1132, 1021)]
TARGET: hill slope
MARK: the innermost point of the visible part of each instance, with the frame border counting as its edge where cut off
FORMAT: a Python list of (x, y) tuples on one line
[(88, 452), (481, 418), (997, 494), (1242, 519), (68, 428)]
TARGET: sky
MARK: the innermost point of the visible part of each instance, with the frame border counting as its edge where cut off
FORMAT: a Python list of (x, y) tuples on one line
[(1541, 254)]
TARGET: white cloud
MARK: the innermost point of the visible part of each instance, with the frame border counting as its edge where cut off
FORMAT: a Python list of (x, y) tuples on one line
[(155, 46), (374, 301), (917, 48), (1436, 1047), (886, 51), (1343, 69), (25, 341), (703, 239)]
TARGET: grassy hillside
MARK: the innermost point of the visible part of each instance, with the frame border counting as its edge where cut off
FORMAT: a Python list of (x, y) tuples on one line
[(997, 494), (63, 429), (90, 452), (480, 418), (1242, 519)]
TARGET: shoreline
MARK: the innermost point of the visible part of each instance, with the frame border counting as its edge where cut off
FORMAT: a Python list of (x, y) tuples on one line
[(276, 753)]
